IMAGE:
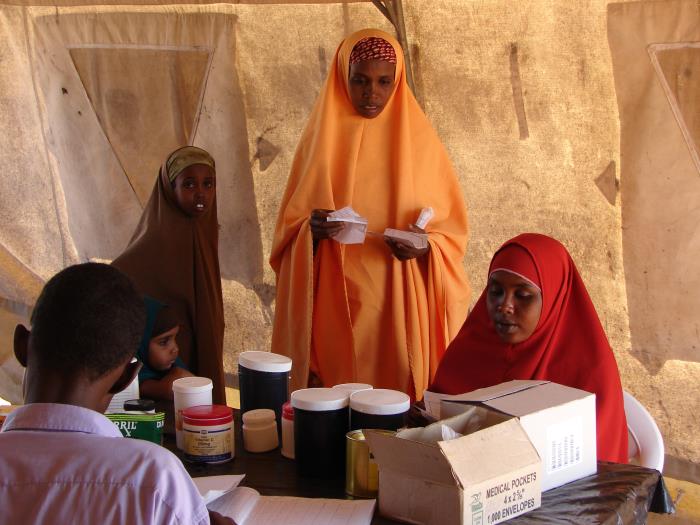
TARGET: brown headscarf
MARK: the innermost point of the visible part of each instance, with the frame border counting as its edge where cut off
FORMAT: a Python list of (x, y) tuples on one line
[(175, 259)]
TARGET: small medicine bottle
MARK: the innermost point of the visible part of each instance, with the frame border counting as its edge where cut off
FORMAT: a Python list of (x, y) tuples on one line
[(260, 430), (288, 430)]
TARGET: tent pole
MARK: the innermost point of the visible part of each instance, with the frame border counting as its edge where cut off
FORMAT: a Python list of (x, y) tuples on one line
[(393, 11)]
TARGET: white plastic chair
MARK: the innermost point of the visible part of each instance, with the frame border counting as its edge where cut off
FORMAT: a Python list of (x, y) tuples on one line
[(645, 442)]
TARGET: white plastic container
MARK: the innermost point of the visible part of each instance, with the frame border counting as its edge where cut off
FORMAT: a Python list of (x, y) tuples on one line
[(288, 430), (260, 430), (378, 408), (320, 424), (189, 392), (208, 431), (351, 388)]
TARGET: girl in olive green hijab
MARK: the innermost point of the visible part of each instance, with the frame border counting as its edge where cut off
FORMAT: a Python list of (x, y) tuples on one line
[(173, 256)]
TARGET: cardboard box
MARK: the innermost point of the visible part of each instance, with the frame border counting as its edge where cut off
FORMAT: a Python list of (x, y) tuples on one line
[(487, 476), (559, 420)]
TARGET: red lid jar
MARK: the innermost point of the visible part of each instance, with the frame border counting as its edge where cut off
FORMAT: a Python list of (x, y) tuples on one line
[(288, 411), (208, 433), (207, 415)]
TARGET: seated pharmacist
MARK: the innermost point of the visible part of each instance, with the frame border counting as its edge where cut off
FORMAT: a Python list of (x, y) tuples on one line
[(535, 320), (61, 460)]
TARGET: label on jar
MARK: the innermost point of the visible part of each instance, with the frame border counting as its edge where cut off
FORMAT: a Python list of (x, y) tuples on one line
[(208, 445)]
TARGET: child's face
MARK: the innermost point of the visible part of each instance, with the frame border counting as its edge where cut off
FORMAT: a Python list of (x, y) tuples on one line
[(370, 84), (163, 350), (195, 189)]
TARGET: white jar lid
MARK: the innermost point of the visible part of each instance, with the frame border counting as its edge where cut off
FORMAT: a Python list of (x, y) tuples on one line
[(353, 387), (192, 385), (380, 402), (319, 399), (259, 416), (264, 361)]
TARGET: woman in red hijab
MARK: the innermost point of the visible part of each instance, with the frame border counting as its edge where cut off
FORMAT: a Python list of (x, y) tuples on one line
[(535, 320)]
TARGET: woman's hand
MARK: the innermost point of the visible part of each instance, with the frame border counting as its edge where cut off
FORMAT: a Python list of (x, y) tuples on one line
[(321, 228), (403, 251)]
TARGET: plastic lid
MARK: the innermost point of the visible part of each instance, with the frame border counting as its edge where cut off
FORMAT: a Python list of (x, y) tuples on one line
[(259, 416), (192, 385), (380, 402), (288, 411), (143, 405), (319, 399), (265, 361), (212, 414), (353, 387)]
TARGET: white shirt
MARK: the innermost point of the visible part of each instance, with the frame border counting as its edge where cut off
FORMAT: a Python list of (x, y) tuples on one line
[(67, 465)]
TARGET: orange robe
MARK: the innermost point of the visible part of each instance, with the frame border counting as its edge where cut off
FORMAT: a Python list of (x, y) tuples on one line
[(355, 313)]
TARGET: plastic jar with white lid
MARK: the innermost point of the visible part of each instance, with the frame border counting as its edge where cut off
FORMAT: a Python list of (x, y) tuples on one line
[(288, 430), (351, 388), (208, 434), (320, 424), (189, 392), (260, 430), (378, 408), (263, 379)]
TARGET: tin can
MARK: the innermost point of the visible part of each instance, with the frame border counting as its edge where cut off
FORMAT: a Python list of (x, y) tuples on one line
[(361, 473)]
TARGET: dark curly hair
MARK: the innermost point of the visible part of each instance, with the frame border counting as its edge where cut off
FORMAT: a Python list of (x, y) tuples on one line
[(89, 318)]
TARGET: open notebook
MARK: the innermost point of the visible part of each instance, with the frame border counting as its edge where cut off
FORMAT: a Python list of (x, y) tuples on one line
[(247, 507)]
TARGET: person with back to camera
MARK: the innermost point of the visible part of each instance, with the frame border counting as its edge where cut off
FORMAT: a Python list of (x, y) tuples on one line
[(61, 460), (535, 320), (173, 257), (381, 312)]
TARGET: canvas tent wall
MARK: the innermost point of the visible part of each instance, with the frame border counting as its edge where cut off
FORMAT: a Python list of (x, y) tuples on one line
[(524, 95)]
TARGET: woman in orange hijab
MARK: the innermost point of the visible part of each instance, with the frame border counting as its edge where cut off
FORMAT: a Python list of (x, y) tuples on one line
[(381, 312), (535, 320)]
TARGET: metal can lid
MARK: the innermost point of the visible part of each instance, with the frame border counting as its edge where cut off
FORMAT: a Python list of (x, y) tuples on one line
[(380, 402), (207, 415), (264, 361), (140, 405)]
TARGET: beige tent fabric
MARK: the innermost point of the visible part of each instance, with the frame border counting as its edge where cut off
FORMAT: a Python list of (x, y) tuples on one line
[(87, 117), (655, 54), (521, 93)]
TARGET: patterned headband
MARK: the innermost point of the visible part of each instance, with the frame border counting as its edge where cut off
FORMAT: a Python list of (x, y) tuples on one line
[(373, 48)]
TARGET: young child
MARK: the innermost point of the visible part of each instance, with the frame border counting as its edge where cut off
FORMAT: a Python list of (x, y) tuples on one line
[(159, 352), (61, 459), (174, 256)]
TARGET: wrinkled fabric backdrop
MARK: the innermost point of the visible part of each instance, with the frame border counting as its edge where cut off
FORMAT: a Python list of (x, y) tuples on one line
[(559, 118)]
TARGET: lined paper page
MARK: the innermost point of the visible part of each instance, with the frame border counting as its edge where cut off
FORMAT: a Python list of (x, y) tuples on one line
[(273, 510), (237, 504)]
